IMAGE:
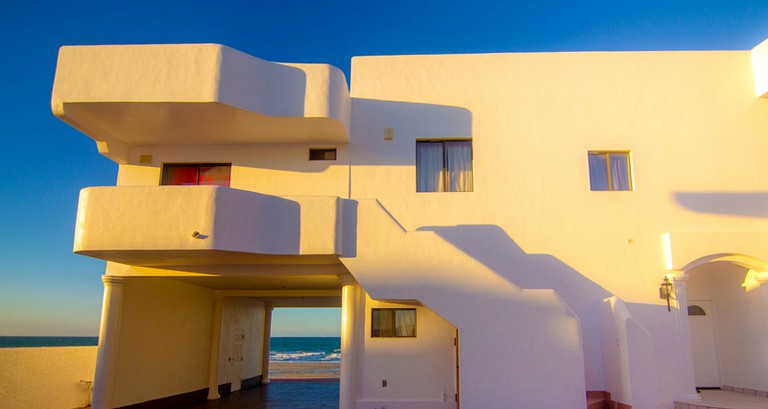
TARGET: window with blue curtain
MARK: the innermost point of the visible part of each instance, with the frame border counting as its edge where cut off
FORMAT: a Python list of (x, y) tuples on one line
[(444, 166), (609, 171)]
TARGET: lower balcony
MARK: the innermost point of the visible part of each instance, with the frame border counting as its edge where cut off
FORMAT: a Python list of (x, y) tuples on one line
[(206, 225)]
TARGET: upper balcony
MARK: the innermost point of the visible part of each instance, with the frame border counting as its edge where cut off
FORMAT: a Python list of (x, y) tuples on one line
[(191, 94), (206, 225)]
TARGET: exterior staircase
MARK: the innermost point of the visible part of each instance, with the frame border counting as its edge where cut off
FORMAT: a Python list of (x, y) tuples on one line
[(602, 400)]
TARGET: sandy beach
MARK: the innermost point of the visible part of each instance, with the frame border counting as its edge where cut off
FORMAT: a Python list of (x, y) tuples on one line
[(303, 370)]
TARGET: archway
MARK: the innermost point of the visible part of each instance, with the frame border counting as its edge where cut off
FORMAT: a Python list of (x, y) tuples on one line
[(727, 311)]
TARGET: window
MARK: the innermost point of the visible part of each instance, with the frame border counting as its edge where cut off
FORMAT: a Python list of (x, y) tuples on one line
[(696, 310), (444, 166), (393, 322), (196, 174), (322, 154), (609, 171)]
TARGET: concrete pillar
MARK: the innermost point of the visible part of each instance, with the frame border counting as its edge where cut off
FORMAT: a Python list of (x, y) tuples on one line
[(213, 369), (688, 382), (265, 352), (109, 334), (352, 313)]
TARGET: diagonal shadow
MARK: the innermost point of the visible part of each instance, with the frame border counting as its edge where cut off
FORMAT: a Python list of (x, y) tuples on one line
[(491, 246), (749, 204)]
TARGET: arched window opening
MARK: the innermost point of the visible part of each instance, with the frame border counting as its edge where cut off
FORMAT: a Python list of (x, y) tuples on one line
[(696, 310)]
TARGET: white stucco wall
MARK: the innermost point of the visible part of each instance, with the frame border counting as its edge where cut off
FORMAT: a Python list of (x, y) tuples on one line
[(532, 118), (739, 318), (164, 345), (420, 371), (248, 316), (45, 378)]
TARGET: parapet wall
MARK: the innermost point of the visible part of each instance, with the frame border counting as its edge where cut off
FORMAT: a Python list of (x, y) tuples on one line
[(46, 378)]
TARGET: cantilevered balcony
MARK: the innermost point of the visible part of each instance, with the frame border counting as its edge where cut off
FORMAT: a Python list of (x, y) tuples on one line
[(192, 94), (206, 225)]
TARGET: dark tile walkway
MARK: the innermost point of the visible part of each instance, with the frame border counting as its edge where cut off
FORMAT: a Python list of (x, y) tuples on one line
[(280, 395)]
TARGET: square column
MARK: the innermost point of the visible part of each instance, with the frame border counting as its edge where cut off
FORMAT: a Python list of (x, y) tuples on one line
[(265, 351), (213, 370)]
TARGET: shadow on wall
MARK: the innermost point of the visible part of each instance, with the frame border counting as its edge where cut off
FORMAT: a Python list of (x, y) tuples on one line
[(491, 246), (422, 121), (349, 228), (749, 204), (264, 78)]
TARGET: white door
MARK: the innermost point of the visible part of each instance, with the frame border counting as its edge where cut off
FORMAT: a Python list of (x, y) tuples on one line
[(238, 336), (702, 324)]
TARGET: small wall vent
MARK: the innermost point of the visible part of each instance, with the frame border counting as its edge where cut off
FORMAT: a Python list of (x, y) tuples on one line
[(322, 154)]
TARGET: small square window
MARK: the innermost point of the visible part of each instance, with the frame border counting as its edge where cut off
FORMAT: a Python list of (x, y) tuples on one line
[(393, 322), (196, 174), (444, 166), (609, 170), (322, 154)]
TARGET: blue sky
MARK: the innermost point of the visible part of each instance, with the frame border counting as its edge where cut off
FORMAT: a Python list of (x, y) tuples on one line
[(46, 290)]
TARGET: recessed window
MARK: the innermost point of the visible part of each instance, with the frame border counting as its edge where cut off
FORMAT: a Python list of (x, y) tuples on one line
[(609, 170), (322, 154), (393, 322), (696, 310), (196, 174), (444, 166)]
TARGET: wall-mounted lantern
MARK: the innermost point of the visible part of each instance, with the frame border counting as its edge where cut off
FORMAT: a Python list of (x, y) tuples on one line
[(665, 291)]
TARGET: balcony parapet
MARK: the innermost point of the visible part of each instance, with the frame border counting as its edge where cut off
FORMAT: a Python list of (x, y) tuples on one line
[(184, 225), (147, 95)]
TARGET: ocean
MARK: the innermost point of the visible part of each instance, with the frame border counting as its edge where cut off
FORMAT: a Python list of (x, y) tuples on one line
[(282, 349), (305, 349), (16, 342)]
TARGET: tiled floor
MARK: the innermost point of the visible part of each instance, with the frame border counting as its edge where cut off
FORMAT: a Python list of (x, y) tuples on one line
[(280, 395), (325, 395), (724, 400)]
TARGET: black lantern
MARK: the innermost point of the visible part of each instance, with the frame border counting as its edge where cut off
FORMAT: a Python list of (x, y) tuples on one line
[(665, 291)]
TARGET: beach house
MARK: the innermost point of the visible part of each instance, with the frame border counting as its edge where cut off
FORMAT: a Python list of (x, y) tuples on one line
[(499, 230)]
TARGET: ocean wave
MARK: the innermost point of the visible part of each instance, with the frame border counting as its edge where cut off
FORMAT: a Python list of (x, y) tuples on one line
[(332, 357), (304, 356)]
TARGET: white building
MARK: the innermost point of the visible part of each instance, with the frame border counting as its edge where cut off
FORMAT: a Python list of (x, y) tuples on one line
[(531, 205)]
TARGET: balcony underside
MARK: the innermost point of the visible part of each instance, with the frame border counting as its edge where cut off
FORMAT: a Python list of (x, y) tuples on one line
[(118, 126), (277, 290), (194, 259), (307, 287)]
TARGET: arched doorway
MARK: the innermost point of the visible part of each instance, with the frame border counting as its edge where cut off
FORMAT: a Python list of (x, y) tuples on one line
[(727, 310)]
